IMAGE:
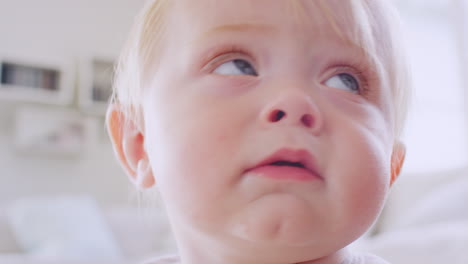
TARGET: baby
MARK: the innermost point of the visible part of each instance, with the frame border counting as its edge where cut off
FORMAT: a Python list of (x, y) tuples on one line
[(270, 128)]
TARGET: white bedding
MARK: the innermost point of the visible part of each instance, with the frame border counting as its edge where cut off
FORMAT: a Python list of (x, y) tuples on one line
[(444, 242), (425, 221)]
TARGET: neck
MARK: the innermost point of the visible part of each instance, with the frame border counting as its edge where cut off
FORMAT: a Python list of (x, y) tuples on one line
[(207, 253)]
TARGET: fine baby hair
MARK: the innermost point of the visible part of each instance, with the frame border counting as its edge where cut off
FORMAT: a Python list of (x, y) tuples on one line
[(269, 128), (140, 54)]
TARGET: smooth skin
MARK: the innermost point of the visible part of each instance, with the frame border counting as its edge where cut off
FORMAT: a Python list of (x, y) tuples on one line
[(208, 118)]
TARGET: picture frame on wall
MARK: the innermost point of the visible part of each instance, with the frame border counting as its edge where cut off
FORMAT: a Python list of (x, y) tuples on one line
[(96, 78), (32, 79)]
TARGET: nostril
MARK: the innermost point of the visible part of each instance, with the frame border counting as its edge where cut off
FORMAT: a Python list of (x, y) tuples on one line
[(277, 115), (307, 120)]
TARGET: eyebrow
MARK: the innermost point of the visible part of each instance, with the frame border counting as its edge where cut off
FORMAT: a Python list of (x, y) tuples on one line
[(262, 28), (243, 27)]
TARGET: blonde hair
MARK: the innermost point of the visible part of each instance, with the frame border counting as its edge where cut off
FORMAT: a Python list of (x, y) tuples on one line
[(376, 33), (138, 57)]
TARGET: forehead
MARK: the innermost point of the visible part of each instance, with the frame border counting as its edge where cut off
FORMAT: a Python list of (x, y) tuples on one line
[(319, 16)]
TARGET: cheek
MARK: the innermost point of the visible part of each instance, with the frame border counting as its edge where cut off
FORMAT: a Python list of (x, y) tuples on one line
[(361, 143), (192, 146), (367, 187), (368, 171), (183, 162), (185, 144)]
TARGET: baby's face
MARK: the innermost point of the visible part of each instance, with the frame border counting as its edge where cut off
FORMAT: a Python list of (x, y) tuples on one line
[(266, 131)]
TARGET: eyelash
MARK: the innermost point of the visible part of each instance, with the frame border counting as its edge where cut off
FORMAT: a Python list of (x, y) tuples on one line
[(218, 56), (358, 70)]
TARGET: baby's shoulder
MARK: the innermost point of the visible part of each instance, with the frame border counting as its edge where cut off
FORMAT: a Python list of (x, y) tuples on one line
[(163, 260), (361, 258), (366, 258)]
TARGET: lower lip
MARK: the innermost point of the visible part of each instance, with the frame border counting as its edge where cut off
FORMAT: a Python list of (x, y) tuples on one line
[(284, 173)]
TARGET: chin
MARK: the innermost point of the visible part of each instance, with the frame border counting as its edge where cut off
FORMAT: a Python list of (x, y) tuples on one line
[(279, 250), (282, 221)]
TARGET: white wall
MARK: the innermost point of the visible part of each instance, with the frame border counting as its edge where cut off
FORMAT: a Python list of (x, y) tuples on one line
[(70, 30), (436, 133), (65, 27)]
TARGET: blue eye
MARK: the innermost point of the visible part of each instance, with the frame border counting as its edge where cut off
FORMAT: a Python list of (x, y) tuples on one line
[(236, 67), (344, 81)]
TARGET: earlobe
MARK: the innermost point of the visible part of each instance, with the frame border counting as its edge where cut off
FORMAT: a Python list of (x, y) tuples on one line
[(398, 158), (144, 177), (128, 143)]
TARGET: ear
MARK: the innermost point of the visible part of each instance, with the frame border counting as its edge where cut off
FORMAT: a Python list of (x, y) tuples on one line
[(128, 143), (398, 158)]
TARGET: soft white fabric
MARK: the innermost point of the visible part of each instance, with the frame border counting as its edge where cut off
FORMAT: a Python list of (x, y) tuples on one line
[(139, 233), (170, 259), (425, 221), (445, 242), (426, 199), (57, 227), (8, 242), (21, 259), (447, 203)]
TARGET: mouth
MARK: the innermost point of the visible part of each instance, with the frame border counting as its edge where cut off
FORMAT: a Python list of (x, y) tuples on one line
[(283, 163), (288, 164)]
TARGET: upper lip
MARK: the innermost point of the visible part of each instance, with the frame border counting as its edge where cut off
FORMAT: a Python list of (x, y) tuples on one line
[(300, 156)]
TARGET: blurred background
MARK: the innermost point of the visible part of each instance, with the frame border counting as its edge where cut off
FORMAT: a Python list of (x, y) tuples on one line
[(64, 198)]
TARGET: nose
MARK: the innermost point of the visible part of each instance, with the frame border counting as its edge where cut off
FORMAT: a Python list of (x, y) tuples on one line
[(294, 109)]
